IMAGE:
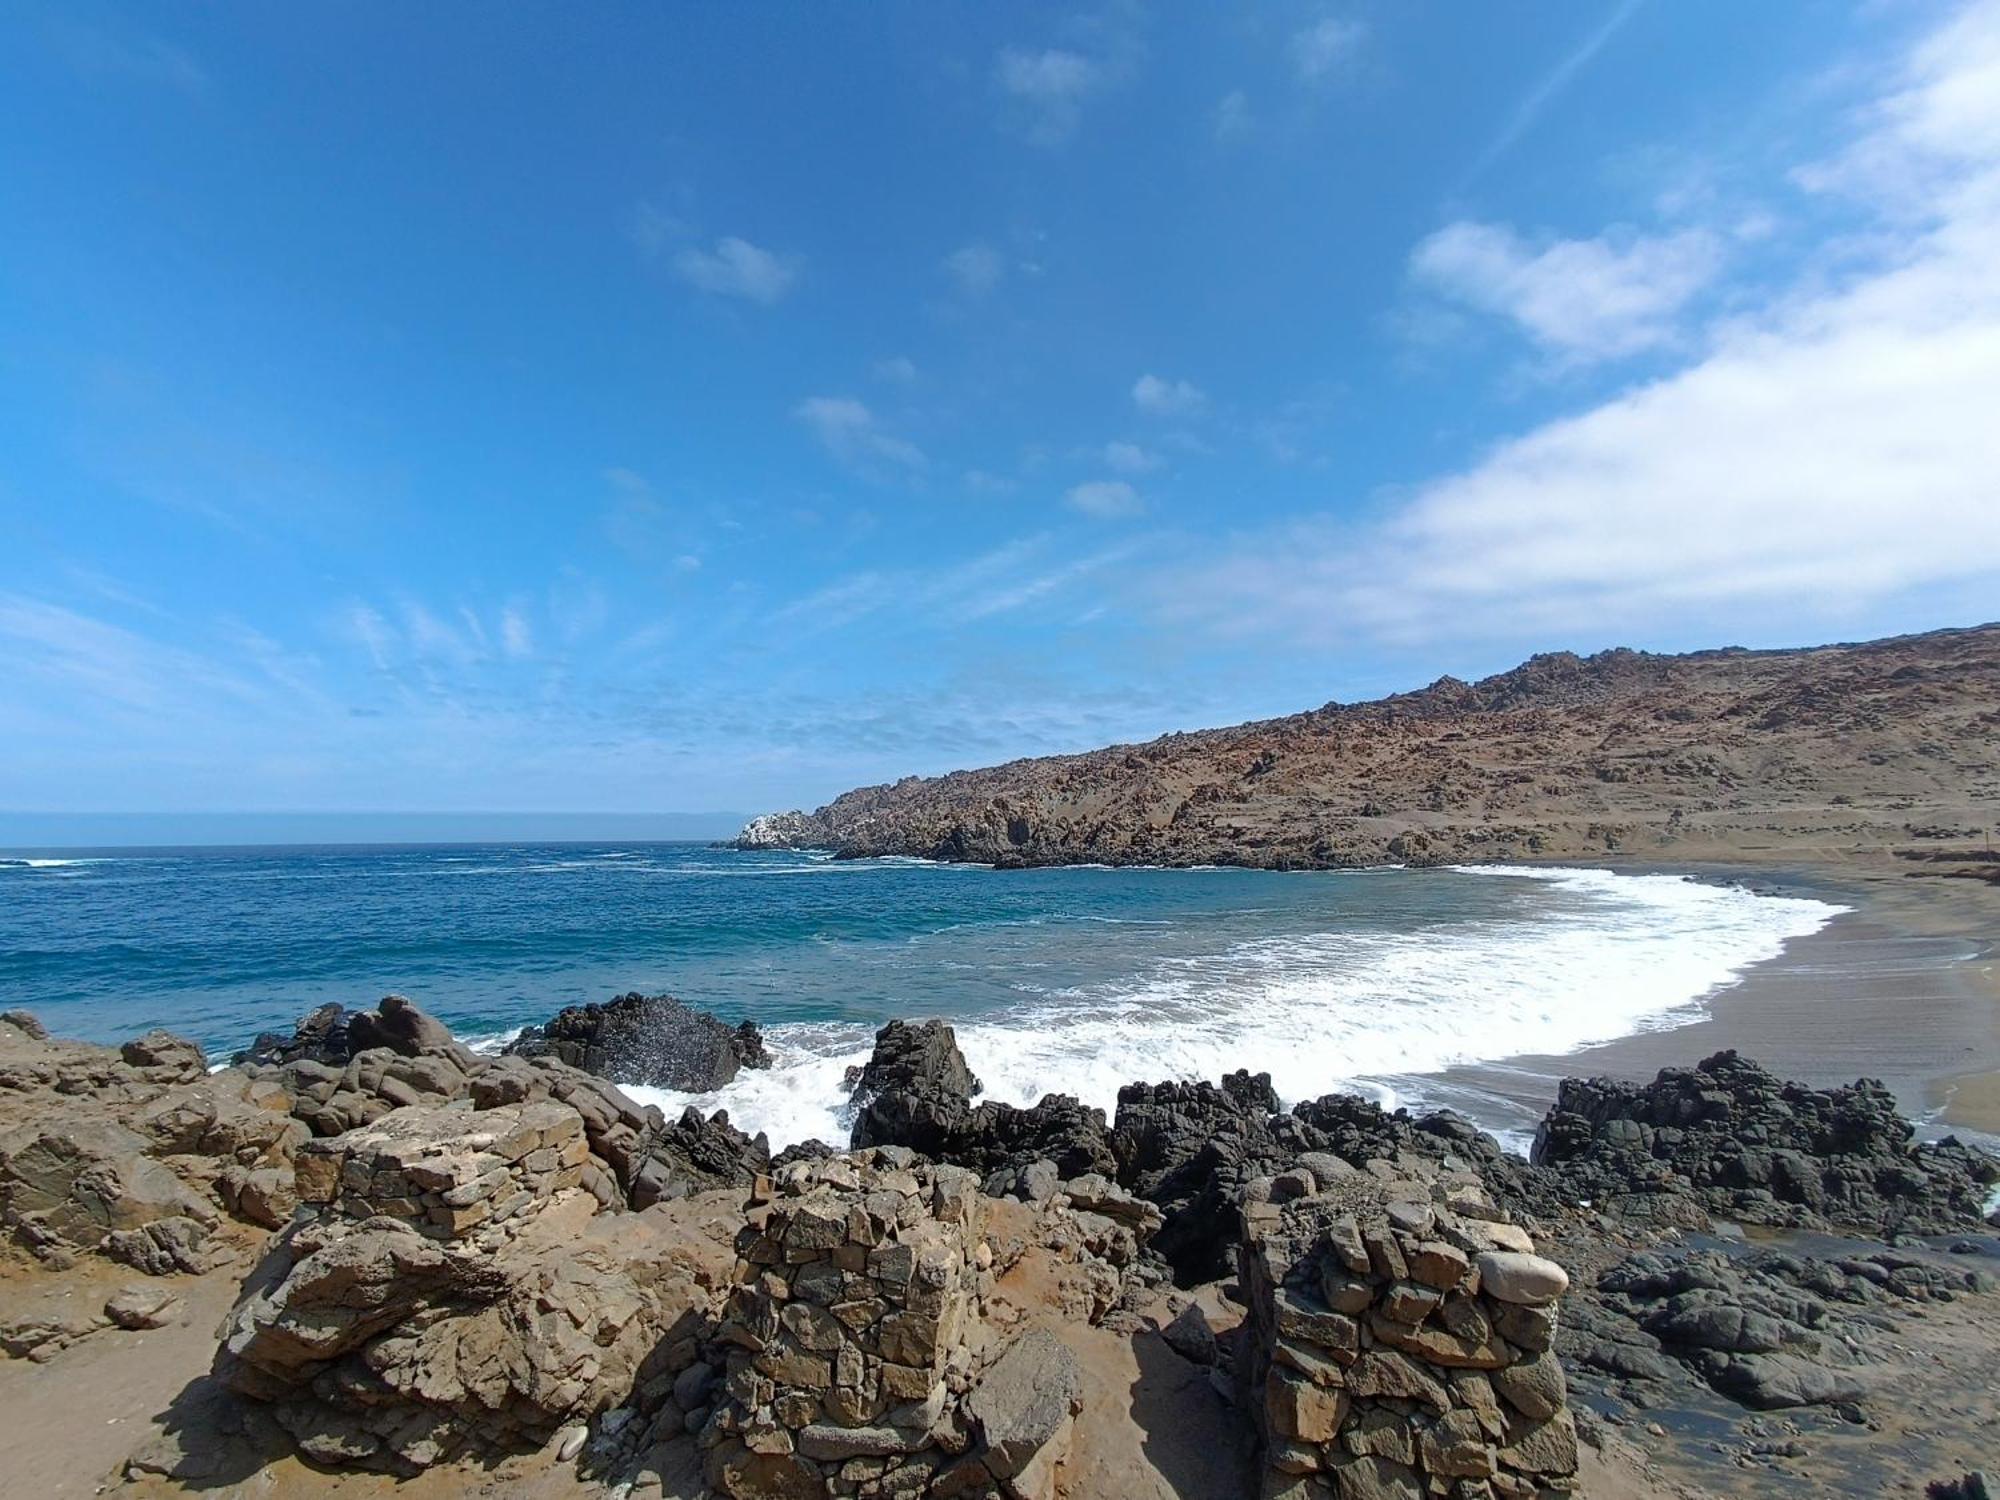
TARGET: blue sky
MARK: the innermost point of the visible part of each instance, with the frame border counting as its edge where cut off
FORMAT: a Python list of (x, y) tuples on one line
[(713, 407)]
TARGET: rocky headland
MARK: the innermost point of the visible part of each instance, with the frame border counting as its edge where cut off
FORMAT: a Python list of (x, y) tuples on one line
[(1891, 744), (365, 1255)]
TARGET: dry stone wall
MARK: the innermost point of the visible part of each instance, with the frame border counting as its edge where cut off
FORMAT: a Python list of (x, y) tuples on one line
[(859, 1361), (1400, 1341)]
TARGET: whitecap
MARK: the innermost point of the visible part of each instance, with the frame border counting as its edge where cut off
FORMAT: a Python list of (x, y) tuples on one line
[(1332, 1010)]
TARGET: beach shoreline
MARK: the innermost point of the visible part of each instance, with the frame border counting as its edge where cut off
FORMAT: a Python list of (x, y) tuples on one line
[(1903, 987)]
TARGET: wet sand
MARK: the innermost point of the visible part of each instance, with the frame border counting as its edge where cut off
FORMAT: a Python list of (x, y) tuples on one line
[(1904, 988)]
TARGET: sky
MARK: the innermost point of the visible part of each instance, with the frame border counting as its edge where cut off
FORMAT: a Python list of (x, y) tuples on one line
[(654, 409)]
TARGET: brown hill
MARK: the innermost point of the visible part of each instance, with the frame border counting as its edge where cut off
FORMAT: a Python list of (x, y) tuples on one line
[(1832, 748)]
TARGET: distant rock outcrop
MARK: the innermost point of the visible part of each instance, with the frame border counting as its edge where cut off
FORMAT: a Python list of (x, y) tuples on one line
[(784, 830)]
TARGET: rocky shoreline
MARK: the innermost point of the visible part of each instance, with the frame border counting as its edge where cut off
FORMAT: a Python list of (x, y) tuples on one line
[(438, 1260)]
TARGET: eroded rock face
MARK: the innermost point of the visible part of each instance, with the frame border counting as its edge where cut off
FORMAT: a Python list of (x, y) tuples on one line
[(375, 1345), (1727, 1137), (647, 1039), (135, 1153)]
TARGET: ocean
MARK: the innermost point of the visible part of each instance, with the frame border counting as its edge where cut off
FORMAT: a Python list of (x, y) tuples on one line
[(1072, 980)]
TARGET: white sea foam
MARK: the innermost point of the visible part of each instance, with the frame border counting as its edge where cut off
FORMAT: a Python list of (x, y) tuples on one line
[(10, 861), (1330, 1010)]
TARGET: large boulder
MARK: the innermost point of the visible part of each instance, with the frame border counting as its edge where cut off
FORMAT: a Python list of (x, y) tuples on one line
[(376, 1346), (915, 1089), (653, 1040), (916, 1092), (1193, 1149), (403, 1029)]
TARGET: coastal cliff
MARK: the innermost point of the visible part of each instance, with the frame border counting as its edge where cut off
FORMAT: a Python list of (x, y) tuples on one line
[(1693, 756)]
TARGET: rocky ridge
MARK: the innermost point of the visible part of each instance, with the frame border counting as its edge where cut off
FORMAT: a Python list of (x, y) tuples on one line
[(1870, 745)]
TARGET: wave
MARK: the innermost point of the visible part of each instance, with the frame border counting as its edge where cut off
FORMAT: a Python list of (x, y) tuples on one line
[(1351, 1010), (11, 863)]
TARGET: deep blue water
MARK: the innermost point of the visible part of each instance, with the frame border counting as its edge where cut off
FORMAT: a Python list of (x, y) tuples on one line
[(1073, 979)]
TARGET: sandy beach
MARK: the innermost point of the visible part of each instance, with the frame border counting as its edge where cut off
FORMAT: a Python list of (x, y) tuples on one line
[(1904, 987)]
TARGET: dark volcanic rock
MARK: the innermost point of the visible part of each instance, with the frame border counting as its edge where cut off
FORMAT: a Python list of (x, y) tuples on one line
[(321, 1037), (1767, 1329), (1192, 1148), (647, 1039), (916, 1091), (1729, 1138)]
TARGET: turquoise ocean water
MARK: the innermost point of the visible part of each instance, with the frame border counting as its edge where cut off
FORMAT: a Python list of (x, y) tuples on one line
[(1073, 980)]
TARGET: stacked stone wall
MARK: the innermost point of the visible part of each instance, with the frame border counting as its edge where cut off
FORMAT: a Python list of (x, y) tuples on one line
[(857, 1341), (1400, 1342)]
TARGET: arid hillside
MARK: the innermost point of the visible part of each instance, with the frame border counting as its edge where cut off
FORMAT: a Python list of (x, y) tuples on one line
[(1834, 749)]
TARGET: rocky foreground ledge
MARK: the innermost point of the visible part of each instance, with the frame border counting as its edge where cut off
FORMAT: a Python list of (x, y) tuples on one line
[(446, 1263)]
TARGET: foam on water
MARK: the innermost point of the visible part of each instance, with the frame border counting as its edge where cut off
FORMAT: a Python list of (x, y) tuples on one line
[(1335, 1010)]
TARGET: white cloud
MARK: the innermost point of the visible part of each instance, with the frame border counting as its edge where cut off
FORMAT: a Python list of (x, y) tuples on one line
[(1166, 398), (1233, 120), (517, 638), (851, 434), (977, 269), (1834, 450), (1130, 458), (737, 268), (897, 370), (1602, 298), (1048, 88), (1106, 499), (1319, 49)]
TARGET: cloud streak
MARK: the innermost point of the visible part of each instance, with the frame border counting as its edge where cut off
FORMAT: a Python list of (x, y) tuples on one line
[(1538, 98)]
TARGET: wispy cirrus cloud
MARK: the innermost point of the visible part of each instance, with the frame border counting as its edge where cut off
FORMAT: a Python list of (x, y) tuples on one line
[(1045, 90), (734, 267), (1325, 46), (1551, 84), (1159, 397), (1131, 458), (976, 269), (849, 431), (1105, 499), (109, 52)]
